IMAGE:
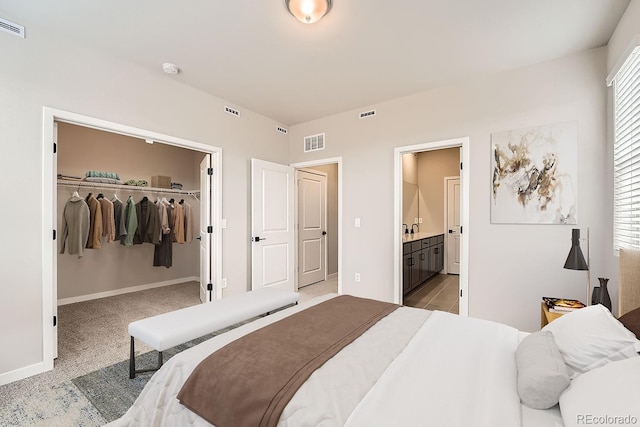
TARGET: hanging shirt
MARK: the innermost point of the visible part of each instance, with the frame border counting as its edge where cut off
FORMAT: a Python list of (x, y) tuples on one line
[(108, 220), (188, 222), (163, 253), (177, 223), (131, 223), (120, 219), (75, 226), (95, 223), (149, 228)]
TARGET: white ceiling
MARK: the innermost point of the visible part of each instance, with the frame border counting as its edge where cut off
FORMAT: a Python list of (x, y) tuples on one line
[(255, 55)]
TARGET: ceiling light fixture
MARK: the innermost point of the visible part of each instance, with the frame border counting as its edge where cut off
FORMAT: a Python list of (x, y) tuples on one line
[(308, 11)]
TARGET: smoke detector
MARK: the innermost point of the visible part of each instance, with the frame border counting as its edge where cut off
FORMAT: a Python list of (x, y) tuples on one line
[(170, 68)]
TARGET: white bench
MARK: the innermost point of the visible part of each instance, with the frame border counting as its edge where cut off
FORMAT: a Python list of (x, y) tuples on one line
[(177, 327)]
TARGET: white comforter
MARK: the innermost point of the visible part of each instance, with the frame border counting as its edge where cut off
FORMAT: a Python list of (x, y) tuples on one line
[(413, 368)]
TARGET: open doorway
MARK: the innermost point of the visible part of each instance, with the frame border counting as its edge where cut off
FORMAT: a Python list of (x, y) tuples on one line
[(276, 254), (317, 229), (428, 179), (203, 195)]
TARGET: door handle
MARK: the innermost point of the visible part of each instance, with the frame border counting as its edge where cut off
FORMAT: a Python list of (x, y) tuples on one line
[(258, 238), (324, 233), (199, 237)]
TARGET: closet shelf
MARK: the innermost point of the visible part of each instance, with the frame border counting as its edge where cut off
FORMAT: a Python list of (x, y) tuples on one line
[(105, 186)]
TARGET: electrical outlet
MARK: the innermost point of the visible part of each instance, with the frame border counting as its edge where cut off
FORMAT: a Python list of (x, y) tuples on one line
[(223, 223), (419, 220), (356, 223), (224, 282), (357, 278), (415, 220)]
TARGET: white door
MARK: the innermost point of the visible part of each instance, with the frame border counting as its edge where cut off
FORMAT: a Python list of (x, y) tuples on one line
[(312, 234), (453, 226), (272, 232), (206, 221), (54, 263)]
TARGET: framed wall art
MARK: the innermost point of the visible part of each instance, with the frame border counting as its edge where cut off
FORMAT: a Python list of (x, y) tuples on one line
[(534, 175)]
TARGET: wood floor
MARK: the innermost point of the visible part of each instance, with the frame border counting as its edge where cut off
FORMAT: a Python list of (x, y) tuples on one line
[(439, 293)]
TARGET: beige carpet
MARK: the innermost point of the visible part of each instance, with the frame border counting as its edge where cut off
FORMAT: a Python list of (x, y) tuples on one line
[(93, 334)]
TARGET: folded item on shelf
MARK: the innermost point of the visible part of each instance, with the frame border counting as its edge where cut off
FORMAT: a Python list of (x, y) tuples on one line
[(103, 180), (100, 174), (69, 177), (176, 186), (142, 183)]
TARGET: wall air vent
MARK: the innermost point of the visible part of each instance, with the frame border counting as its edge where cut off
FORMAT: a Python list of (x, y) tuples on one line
[(366, 114), (232, 111), (281, 129), (11, 28), (314, 142)]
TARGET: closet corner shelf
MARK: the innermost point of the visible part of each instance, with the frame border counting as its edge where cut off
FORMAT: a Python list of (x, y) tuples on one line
[(100, 185)]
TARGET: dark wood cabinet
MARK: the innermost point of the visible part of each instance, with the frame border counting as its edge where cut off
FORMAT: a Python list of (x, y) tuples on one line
[(422, 259)]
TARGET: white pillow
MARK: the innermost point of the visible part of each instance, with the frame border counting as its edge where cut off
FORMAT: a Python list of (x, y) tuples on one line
[(592, 337), (609, 395), (542, 373)]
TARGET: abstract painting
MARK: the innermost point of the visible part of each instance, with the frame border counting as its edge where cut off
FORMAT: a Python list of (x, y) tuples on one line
[(534, 175)]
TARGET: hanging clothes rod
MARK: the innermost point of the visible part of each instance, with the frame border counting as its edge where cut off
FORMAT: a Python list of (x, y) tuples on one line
[(105, 186)]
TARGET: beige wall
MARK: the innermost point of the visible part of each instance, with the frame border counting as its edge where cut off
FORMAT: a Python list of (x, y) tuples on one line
[(58, 73), (501, 265), (433, 166), (332, 215), (114, 266)]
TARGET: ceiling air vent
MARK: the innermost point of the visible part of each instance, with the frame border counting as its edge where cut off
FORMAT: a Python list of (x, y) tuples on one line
[(232, 111), (314, 142), (11, 28), (281, 129), (366, 114)]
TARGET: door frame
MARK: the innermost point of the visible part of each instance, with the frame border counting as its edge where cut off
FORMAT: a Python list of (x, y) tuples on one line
[(464, 143), (49, 210), (297, 222), (446, 217), (311, 164)]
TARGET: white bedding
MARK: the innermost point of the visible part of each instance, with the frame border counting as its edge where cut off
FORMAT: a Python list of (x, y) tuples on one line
[(414, 367)]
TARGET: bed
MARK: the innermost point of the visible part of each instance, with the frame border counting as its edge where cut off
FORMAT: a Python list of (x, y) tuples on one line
[(420, 368)]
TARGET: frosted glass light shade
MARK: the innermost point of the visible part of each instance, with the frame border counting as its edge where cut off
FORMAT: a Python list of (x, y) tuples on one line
[(308, 11)]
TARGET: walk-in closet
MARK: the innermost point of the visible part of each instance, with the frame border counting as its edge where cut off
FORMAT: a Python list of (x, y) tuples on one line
[(118, 180)]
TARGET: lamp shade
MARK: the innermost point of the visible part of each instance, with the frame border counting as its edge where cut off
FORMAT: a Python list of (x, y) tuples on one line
[(575, 260), (308, 11)]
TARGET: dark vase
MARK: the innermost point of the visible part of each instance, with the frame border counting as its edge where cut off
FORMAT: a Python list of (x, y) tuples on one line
[(603, 293), (595, 295)]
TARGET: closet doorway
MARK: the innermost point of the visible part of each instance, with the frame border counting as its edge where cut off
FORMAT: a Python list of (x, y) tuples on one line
[(434, 212), (115, 268)]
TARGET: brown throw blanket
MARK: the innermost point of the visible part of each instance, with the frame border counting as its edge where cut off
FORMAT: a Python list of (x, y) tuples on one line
[(251, 380)]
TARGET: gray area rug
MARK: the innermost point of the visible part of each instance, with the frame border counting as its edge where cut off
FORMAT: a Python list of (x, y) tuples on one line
[(111, 391)]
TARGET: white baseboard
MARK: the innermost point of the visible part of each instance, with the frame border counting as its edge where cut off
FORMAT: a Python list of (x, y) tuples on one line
[(81, 298), (22, 373)]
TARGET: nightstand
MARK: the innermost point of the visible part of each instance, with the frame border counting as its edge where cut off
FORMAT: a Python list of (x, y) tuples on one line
[(546, 316)]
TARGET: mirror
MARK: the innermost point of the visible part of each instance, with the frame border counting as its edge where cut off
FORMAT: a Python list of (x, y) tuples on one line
[(409, 203)]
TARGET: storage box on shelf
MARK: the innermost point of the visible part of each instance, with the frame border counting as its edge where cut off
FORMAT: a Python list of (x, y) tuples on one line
[(160, 181)]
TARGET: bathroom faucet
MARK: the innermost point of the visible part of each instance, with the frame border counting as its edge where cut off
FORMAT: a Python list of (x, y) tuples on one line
[(406, 228), (412, 227)]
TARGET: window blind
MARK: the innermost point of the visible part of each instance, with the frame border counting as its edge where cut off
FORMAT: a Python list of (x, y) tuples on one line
[(626, 154)]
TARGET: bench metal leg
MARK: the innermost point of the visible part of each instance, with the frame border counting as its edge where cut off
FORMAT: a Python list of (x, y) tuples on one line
[(132, 362)]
